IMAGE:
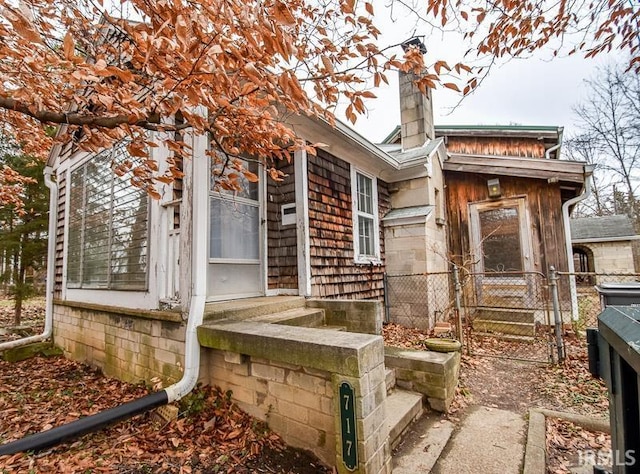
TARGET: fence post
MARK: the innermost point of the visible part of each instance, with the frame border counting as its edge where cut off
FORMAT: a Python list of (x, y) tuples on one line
[(557, 315), (387, 310), (457, 288)]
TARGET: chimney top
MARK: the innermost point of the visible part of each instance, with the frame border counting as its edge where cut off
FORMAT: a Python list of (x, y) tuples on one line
[(415, 41)]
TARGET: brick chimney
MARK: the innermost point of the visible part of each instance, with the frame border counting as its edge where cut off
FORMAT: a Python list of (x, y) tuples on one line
[(416, 108)]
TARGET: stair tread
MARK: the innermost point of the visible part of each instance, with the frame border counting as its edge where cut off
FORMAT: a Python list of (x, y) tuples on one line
[(251, 307), (403, 407), (506, 337), (502, 322), (284, 315), (504, 309)]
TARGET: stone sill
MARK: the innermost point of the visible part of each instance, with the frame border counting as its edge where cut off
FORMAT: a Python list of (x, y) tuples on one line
[(170, 316)]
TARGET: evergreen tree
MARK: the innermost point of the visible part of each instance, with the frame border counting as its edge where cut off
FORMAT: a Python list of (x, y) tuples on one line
[(23, 230)]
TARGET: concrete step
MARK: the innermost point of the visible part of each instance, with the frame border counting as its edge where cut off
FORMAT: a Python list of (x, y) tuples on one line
[(333, 328), (504, 301), (403, 407), (505, 337), (504, 327), (505, 314), (251, 307), (390, 379), (302, 317), (423, 445)]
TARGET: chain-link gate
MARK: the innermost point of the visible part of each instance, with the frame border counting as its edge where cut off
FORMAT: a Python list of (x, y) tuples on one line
[(508, 315)]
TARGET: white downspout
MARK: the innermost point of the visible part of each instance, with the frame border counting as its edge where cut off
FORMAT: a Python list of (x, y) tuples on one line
[(199, 261), (588, 170), (51, 259)]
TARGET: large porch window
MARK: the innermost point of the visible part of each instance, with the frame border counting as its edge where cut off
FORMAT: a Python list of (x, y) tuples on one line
[(108, 227)]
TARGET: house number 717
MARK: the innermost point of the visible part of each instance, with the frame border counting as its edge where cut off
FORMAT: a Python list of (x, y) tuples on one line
[(348, 425)]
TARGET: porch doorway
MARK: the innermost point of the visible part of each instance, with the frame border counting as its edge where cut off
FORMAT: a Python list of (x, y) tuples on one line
[(500, 236), (501, 252), (235, 267)]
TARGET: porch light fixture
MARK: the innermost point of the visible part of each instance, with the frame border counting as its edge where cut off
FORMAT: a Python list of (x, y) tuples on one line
[(494, 188)]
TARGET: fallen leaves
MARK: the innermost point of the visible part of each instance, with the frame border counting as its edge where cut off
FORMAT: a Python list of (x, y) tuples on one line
[(211, 434), (570, 445)]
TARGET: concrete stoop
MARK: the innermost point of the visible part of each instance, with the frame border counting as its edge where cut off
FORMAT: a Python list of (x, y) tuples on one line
[(283, 359)]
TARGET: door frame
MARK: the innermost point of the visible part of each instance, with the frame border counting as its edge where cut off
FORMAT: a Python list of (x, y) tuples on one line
[(475, 240), (262, 243)]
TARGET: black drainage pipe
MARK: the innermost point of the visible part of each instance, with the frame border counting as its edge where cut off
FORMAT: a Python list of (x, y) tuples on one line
[(46, 439)]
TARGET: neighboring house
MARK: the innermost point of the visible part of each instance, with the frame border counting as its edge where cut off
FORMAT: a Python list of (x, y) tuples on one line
[(604, 245)]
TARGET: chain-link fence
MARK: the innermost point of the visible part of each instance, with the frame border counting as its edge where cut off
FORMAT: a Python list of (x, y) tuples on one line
[(581, 311), (501, 314), (419, 300), (507, 314)]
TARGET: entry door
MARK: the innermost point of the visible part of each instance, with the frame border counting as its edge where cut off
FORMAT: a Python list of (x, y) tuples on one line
[(235, 242), (500, 237)]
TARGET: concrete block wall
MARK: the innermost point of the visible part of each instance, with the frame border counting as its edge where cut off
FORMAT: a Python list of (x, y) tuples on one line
[(612, 257), (435, 374), (296, 402), (128, 347), (291, 376), (363, 316)]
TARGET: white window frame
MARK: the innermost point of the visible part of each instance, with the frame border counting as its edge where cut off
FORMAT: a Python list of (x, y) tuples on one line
[(81, 287), (356, 214)]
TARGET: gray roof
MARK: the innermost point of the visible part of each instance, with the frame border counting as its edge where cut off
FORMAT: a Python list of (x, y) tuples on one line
[(404, 156), (408, 212), (602, 228)]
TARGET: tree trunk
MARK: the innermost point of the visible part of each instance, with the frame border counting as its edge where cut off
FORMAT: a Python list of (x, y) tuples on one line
[(17, 310)]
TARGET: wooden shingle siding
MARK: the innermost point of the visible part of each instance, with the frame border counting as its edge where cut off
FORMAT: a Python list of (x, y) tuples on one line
[(544, 210), (62, 199), (334, 274), (282, 240), (508, 146)]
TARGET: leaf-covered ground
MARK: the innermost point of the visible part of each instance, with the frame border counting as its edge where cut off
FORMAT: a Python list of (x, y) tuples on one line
[(211, 434), (32, 321)]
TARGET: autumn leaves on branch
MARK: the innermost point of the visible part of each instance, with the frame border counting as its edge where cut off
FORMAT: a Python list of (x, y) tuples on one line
[(236, 69)]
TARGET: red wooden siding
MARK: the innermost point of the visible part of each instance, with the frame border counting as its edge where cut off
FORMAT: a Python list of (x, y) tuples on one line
[(282, 240), (334, 273), (508, 146)]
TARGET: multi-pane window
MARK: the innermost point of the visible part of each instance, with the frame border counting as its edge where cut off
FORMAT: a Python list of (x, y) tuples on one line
[(365, 214), (108, 227)]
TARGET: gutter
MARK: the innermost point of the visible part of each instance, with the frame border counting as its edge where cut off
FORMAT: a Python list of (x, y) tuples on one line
[(51, 258), (89, 424), (588, 171)]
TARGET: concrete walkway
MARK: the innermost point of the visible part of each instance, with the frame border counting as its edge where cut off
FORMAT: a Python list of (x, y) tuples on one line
[(487, 440)]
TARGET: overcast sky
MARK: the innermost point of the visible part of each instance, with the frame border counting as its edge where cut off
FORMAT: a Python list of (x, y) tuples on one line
[(534, 91)]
